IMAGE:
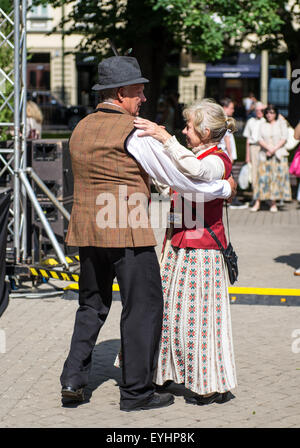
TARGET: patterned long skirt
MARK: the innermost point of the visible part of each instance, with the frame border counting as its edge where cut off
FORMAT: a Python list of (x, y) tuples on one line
[(273, 180), (196, 345)]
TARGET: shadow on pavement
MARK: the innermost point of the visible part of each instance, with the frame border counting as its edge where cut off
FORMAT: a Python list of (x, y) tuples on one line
[(103, 369), (292, 260)]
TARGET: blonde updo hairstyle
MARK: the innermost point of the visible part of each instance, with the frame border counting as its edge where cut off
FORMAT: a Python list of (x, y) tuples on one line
[(205, 115), (33, 111)]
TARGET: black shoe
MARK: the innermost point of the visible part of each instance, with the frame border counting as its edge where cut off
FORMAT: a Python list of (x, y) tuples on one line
[(164, 388), (156, 401), (72, 394), (215, 398), (237, 204)]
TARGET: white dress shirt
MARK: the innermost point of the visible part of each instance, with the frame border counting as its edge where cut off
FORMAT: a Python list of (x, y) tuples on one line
[(251, 130), (207, 169), (154, 159)]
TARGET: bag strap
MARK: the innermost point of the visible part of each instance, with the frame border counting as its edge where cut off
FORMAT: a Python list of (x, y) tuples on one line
[(227, 220), (214, 236), (212, 233)]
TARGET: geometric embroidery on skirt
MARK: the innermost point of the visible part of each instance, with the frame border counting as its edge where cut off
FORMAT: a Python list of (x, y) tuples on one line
[(196, 345)]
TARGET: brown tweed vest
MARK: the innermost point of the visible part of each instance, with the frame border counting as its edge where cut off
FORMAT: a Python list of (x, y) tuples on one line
[(111, 190)]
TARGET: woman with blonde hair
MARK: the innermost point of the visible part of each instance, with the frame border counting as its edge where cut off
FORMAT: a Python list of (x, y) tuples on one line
[(196, 346), (34, 120)]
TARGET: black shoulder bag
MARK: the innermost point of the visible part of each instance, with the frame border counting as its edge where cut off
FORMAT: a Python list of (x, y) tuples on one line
[(230, 257)]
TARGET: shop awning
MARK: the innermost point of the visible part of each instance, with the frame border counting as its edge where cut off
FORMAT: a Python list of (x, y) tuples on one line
[(245, 65)]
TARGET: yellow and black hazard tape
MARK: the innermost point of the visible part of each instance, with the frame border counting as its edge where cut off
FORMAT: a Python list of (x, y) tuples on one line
[(238, 295), (71, 259), (52, 273), (44, 272)]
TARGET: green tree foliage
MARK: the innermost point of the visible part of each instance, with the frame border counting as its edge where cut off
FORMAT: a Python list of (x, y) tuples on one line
[(6, 5), (208, 28), (211, 27)]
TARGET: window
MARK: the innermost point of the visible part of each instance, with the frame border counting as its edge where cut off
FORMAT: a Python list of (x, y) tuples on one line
[(39, 17), (39, 11)]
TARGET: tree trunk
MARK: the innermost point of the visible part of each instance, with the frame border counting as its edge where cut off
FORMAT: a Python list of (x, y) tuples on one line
[(152, 61), (152, 52), (152, 69)]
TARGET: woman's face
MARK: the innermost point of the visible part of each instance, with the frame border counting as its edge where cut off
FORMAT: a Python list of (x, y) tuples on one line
[(192, 138), (270, 115)]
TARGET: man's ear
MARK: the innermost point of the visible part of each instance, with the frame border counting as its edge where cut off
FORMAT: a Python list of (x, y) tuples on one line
[(121, 94)]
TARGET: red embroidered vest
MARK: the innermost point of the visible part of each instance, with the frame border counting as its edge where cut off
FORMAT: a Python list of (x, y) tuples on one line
[(198, 237)]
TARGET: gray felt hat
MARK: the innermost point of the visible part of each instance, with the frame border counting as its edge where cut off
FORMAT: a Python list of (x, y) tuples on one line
[(119, 71)]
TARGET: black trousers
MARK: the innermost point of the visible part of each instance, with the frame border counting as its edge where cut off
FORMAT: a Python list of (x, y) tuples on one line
[(138, 275)]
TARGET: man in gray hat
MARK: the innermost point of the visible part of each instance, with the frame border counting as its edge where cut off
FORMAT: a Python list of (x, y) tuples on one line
[(107, 182)]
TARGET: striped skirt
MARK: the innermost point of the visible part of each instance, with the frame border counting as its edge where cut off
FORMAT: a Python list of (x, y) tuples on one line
[(196, 345)]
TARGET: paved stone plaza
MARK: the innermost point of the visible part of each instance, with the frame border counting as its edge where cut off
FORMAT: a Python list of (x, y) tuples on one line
[(36, 334)]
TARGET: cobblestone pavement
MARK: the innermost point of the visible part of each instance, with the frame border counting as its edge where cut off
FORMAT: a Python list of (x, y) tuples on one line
[(35, 336)]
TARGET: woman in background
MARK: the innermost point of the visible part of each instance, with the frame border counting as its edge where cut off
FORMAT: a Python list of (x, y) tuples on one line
[(34, 120), (273, 172)]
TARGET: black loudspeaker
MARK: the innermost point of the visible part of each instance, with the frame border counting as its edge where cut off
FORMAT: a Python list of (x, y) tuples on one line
[(50, 159)]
